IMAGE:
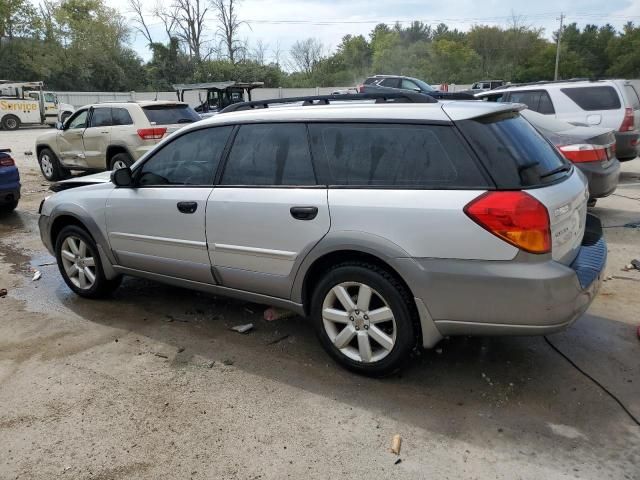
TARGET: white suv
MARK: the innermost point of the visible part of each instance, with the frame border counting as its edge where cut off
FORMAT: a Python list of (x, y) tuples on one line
[(389, 225), (606, 103), (105, 136)]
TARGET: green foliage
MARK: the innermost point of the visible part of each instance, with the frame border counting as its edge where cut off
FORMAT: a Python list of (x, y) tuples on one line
[(83, 45)]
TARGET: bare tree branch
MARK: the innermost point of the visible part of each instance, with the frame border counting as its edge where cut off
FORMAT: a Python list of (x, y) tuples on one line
[(189, 18), (139, 22), (167, 15), (259, 52), (305, 54), (229, 24)]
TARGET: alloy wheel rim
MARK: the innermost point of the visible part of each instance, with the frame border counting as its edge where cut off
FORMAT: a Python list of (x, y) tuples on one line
[(119, 164), (78, 263), (12, 123), (359, 322), (47, 166)]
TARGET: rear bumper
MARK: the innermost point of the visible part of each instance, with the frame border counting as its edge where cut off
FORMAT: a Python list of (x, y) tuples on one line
[(602, 181), (627, 145), (9, 188), (525, 296)]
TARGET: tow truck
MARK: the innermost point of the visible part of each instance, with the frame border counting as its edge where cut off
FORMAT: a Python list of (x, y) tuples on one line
[(27, 103), (219, 94)]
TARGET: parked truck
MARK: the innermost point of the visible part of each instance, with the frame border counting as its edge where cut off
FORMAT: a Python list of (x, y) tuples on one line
[(23, 103)]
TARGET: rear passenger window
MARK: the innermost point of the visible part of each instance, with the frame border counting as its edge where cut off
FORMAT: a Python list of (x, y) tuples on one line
[(594, 98), (121, 116), (191, 159), (101, 117), (538, 100), (390, 82), (419, 156), (270, 154)]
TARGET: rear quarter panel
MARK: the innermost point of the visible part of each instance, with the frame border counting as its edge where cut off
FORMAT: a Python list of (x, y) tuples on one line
[(423, 223)]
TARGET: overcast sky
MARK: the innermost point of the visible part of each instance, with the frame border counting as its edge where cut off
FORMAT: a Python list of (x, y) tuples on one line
[(330, 20)]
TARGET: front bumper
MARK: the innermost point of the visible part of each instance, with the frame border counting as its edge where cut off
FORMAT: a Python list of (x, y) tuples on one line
[(525, 296), (602, 181), (627, 145)]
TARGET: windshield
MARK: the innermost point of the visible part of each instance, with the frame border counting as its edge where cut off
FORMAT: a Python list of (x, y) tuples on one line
[(170, 114)]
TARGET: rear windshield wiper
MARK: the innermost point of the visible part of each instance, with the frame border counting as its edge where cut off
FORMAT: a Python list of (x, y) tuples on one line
[(563, 168)]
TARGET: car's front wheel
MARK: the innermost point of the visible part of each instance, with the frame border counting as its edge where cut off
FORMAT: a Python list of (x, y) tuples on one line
[(80, 265), (364, 318), (50, 166)]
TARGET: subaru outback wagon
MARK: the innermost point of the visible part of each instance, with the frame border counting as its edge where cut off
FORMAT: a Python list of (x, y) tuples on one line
[(389, 225)]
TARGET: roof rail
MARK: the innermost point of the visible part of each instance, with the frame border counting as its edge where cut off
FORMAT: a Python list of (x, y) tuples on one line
[(547, 82), (391, 97)]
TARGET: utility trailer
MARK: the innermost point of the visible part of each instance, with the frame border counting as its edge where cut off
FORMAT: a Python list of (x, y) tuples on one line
[(219, 95)]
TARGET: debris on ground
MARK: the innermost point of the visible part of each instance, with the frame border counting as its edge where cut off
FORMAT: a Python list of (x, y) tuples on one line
[(37, 275), (3, 292), (161, 355), (278, 340), (243, 328), (227, 361), (210, 364), (272, 313), (635, 263), (396, 444), (397, 461), (28, 153), (181, 349)]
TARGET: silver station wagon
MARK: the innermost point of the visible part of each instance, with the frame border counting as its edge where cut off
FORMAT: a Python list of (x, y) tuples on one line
[(388, 224)]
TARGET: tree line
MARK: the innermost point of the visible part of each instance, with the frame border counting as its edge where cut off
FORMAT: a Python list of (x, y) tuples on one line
[(84, 45)]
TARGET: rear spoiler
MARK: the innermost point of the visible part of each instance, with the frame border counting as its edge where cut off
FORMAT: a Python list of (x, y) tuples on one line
[(457, 111)]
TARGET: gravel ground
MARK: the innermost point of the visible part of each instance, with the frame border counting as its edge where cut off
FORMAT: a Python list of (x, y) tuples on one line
[(152, 383)]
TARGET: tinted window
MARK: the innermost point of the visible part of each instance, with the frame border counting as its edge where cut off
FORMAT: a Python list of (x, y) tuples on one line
[(191, 159), (121, 116), (390, 82), (101, 117), (170, 114), (370, 80), (79, 120), (515, 154), (546, 105), (632, 95), (270, 154), (593, 98), (538, 101), (426, 156)]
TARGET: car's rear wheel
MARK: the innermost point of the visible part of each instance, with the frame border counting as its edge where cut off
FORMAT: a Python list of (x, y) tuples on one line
[(80, 265), (9, 207), (10, 122), (50, 166), (120, 160), (364, 318)]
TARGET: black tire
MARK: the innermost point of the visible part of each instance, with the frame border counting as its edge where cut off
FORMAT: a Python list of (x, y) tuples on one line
[(398, 300), (50, 166), (124, 158), (10, 122), (101, 286), (9, 207)]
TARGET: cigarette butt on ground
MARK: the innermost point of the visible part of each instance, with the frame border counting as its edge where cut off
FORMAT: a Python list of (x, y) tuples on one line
[(396, 443)]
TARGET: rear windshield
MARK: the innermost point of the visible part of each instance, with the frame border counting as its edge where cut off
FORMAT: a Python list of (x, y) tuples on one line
[(593, 98), (515, 154), (170, 114)]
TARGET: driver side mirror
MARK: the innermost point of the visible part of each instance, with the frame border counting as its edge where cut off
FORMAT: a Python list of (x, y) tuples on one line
[(59, 125), (122, 177)]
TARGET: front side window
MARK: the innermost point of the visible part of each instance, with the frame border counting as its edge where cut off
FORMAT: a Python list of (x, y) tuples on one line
[(101, 117), (270, 154), (409, 85), (50, 97), (191, 159), (385, 155), (79, 120)]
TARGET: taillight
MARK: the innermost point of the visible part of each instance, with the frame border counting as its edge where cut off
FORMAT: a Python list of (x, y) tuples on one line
[(6, 162), (515, 217), (584, 152), (155, 133), (628, 123), (360, 88)]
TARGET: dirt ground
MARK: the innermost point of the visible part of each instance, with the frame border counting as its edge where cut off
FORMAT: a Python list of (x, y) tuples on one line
[(152, 383)]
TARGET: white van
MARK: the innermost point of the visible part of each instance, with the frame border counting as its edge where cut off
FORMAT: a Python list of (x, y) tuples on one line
[(605, 103)]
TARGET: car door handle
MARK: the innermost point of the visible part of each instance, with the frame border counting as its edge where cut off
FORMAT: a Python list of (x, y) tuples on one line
[(187, 207), (304, 213)]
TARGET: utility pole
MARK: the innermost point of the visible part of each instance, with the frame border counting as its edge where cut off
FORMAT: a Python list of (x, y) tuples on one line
[(555, 77)]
